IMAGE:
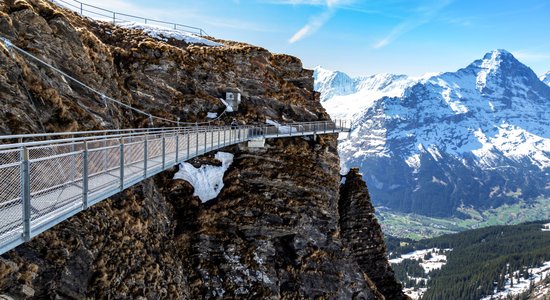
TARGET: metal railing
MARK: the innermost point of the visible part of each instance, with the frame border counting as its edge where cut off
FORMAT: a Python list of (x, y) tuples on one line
[(95, 12), (43, 182)]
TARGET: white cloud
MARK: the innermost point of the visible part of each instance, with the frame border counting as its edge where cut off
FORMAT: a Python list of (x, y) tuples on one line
[(424, 15), (531, 56), (312, 26), (317, 21)]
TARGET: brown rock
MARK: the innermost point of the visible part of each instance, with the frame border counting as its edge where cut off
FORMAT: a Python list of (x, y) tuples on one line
[(362, 234), (274, 230)]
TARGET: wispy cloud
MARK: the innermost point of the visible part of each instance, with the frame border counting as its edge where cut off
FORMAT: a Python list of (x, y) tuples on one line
[(315, 22), (531, 56), (421, 16), (312, 26)]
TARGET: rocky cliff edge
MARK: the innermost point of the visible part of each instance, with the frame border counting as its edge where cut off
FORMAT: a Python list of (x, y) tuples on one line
[(282, 227)]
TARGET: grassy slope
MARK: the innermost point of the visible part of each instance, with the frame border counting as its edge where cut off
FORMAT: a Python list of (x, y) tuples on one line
[(417, 226)]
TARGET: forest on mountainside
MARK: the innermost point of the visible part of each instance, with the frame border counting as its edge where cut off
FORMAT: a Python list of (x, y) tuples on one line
[(481, 260)]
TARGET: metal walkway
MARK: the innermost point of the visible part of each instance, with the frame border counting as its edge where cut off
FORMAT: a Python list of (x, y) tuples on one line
[(44, 182)]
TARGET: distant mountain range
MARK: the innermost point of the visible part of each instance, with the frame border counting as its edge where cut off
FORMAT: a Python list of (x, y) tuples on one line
[(478, 137)]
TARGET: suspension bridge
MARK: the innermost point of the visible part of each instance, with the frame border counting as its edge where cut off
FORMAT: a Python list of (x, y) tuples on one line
[(47, 178), (51, 177)]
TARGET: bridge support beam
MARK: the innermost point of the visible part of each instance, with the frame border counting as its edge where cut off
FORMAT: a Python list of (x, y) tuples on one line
[(258, 143)]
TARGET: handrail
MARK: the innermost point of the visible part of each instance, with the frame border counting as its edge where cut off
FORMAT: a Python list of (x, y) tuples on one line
[(42, 183), (81, 7)]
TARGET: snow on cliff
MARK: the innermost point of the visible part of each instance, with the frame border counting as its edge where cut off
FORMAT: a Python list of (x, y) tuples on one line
[(164, 33), (207, 180)]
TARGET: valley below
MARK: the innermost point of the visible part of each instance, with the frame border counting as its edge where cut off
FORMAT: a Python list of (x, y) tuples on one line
[(415, 226)]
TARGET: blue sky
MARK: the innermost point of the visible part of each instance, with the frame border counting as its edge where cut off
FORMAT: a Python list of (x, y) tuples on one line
[(371, 36)]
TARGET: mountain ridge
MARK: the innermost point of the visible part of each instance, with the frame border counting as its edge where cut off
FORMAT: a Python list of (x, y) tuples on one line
[(545, 78), (475, 137)]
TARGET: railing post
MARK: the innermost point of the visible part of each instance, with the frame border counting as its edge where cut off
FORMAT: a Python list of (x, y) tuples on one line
[(145, 156), (114, 17), (73, 160), (219, 134), (205, 140), (163, 151), (211, 139), (197, 143), (81, 9), (325, 126), (121, 164), (26, 194), (188, 145), (177, 145), (85, 176)]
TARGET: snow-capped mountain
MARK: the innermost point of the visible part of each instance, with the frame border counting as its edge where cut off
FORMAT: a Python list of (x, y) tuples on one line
[(546, 78), (476, 137), (332, 84)]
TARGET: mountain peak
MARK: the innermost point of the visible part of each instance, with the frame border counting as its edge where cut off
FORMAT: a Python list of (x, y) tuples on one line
[(545, 78), (501, 53), (494, 59), (500, 68)]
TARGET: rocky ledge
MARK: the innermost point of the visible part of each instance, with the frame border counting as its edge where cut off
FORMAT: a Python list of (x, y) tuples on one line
[(282, 226)]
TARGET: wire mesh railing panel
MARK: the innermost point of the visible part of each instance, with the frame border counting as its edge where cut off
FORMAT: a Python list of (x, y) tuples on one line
[(170, 148), (103, 160), (103, 165), (133, 153), (154, 148), (170, 144), (11, 203), (182, 146), (103, 143), (208, 140), (54, 183), (49, 150), (10, 156), (192, 137)]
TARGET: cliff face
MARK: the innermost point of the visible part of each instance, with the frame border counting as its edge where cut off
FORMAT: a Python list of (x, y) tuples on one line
[(366, 246), (273, 232)]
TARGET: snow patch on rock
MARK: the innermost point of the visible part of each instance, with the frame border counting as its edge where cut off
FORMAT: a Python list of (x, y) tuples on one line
[(207, 180), (164, 33)]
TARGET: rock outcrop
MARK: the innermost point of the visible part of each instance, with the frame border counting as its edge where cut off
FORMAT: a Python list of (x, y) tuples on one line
[(273, 232), (361, 232)]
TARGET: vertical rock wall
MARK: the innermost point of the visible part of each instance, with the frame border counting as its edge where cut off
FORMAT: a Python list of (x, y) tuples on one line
[(362, 234)]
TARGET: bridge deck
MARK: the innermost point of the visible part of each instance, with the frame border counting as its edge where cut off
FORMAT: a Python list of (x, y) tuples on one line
[(42, 183)]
